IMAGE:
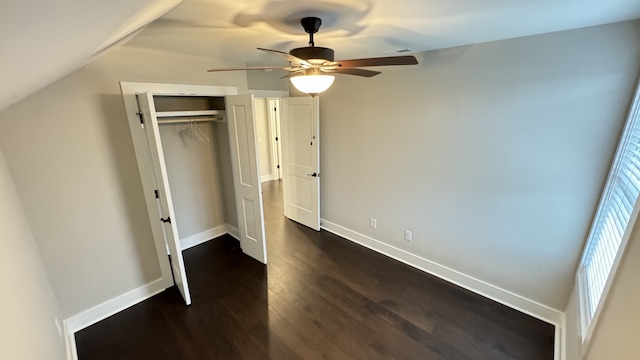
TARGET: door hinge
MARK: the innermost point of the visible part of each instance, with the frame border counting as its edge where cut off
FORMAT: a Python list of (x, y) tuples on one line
[(139, 113), (167, 220), (157, 195)]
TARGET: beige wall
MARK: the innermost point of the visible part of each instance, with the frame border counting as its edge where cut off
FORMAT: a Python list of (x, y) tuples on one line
[(195, 178), (70, 152), (494, 155), (266, 80), (28, 306)]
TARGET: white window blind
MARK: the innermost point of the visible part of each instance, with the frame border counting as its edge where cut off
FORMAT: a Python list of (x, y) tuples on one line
[(609, 227)]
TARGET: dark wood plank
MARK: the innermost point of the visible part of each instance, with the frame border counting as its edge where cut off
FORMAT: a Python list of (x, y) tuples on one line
[(320, 297)]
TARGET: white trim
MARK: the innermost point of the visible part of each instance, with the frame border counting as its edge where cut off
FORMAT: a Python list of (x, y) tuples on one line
[(267, 177), (145, 169), (560, 340), (588, 326), (233, 231), (110, 307), (131, 88), (586, 339), (273, 112), (102, 311), (70, 342), (202, 237), (495, 293)]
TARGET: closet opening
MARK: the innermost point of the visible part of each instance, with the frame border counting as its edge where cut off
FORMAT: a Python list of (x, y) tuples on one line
[(197, 149), (195, 144)]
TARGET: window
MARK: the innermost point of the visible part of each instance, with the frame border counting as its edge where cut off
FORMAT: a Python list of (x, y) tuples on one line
[(609, 231)]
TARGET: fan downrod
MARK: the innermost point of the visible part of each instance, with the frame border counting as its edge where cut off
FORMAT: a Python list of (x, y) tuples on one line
[(311, 26), (311, 52)]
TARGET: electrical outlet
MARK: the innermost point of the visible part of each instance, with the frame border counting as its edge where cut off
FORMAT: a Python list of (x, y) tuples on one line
[(373, 223), (408, 235)]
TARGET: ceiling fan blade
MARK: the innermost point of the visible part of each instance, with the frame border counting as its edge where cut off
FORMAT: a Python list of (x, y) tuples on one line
[(292, 74), (292, 59), (352, 71), (379, 61), (250, 68)]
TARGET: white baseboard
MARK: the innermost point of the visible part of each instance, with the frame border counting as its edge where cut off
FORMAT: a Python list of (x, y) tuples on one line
[(197, 239), (233, 231), (268, 177), (102, 311), (470, 283)]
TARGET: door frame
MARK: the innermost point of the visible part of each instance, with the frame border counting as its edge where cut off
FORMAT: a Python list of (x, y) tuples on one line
[(272, 98), (273, 115), (141, 149)]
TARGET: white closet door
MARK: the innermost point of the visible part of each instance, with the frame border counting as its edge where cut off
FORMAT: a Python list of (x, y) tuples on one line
[(243, 138), (168, 220), (300, 121)]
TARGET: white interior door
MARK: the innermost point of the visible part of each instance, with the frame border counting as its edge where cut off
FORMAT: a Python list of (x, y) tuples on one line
[(301, 159), (243, 138), (168, 220)]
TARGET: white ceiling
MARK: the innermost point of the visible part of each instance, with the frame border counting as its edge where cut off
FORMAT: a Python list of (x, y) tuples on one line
[(363, 28), (42, 41)]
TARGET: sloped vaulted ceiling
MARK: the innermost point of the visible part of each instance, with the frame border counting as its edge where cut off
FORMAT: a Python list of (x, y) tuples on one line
[(42, 41)]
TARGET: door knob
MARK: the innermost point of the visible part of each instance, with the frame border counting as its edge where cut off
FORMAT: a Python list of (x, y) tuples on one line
[(314, 175)]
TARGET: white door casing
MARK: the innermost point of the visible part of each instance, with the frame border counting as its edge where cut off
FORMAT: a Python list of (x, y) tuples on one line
[(273, 105), (301, 159), (147, 108), (243, 138)]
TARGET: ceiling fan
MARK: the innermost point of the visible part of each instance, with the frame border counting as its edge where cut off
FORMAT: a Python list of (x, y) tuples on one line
[(311, 68)]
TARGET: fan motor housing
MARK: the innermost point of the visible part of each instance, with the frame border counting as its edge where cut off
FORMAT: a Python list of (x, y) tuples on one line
[(313, 53)]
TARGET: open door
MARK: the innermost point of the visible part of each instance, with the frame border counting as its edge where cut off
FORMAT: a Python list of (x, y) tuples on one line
[(301, 159), (246, 175), (147, 108)]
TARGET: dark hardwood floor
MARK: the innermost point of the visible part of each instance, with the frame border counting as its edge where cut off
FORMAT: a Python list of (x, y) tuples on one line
[(320, 297)]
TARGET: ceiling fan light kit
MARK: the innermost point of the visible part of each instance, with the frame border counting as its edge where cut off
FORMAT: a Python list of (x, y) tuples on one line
[(312, 81), (312, 67)]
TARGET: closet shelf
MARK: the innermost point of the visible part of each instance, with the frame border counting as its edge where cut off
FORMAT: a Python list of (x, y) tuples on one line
[(188, 120), (188, 113)]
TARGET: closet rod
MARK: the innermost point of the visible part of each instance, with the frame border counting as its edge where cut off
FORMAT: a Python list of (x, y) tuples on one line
[(188, 120)]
